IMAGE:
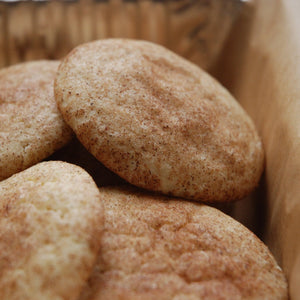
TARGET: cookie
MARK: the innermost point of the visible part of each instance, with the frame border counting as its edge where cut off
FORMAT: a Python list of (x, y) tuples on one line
[(154, 247), (31, 126), (51, 219), (159, 121)]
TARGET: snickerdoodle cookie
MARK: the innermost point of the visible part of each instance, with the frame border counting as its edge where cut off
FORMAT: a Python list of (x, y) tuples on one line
[(158, 120), (31, 126), (51, 219), (155, 247)]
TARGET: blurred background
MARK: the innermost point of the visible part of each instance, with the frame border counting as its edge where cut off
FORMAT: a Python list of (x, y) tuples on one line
[(196, 29)]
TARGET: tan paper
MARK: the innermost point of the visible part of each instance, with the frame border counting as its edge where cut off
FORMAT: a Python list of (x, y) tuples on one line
[(262, 63)]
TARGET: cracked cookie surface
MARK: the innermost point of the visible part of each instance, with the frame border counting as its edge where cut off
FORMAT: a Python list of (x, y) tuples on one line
[(159, 121), (155, 247), (51, 219), (31, 126)]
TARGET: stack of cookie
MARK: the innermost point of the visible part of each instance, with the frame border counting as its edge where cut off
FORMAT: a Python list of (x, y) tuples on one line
[(167, 138)]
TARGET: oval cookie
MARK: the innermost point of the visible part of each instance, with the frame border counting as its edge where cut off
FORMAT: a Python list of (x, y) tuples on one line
[(154, 247), (159, 121), (31, 126), (51, 219)]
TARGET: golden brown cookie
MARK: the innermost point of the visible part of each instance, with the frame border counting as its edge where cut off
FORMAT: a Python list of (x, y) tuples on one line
[(154, 247), (31, 126), (51, 220), (159, 121)]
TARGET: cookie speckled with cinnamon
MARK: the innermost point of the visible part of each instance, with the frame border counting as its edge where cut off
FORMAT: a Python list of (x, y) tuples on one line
[(159, 121), (51, 220), (31, 126), (155, 247)]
